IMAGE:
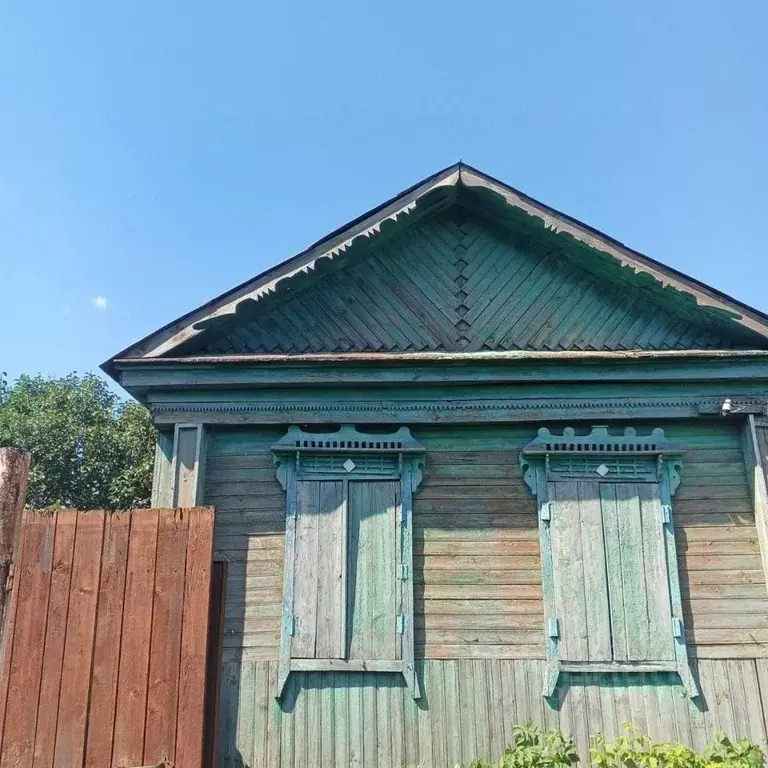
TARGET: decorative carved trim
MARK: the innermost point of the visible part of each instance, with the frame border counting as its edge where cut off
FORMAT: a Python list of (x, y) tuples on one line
[(675, 469), (347, 439), (600, 441), (520, 409), (543, 451)]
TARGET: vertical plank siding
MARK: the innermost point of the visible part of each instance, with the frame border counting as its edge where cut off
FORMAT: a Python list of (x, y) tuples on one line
[(468, 709), (108, 640)]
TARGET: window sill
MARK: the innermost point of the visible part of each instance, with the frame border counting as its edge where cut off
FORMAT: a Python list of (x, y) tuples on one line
[(344, 665), (619, 666)]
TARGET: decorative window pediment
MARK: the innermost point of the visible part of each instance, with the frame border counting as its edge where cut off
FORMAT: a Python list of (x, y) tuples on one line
[(609, 564), (347, 587)]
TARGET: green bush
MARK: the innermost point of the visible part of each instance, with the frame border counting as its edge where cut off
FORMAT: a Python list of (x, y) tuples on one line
[(533, 749), (634, 750)]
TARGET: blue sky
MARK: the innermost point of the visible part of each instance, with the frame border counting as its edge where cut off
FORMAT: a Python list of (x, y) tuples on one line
[(154, 154)]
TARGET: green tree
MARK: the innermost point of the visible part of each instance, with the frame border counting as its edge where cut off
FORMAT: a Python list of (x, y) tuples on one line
[(89, 448)]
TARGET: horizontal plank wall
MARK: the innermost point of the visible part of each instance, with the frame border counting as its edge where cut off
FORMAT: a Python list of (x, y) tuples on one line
[(248, 535), (468, 710), (477, 571)]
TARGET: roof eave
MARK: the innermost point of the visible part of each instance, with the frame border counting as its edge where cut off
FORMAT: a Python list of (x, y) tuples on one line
[(173, 334)]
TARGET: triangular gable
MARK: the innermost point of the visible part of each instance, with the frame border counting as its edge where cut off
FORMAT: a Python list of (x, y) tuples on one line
[(462, 262), (459, 282)]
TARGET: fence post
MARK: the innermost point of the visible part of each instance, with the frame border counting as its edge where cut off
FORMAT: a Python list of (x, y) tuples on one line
[(14, 475)]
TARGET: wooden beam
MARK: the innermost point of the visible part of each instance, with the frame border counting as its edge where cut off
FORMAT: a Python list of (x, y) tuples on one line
[(162, 481), (449, 408), (188, 465), (754, 440), (14, 477)]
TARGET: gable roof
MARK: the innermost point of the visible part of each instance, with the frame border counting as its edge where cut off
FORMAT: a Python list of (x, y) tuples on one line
[(726, 322)]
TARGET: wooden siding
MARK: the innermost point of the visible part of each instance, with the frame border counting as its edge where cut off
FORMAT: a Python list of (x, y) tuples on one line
[(106, 643), (456, 282), (476, 548), (468, 709)]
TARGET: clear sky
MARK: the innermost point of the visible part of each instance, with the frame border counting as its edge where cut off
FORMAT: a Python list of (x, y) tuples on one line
[(154, 154)]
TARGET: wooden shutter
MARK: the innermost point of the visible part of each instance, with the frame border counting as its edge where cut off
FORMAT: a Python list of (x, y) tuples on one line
[(319, 571), (638, 582), (580, 584), (611, 582), (372, 588)]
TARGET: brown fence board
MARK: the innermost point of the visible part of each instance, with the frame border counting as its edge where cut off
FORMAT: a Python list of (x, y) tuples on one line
[(106, 641), (33, 583), (128, 746), (106, 652), (194, 640), (78, 649), (6, 646), (162, 697), (55, 635)]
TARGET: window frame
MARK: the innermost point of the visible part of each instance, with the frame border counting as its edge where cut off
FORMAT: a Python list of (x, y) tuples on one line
[(632, 458), (311, 456)]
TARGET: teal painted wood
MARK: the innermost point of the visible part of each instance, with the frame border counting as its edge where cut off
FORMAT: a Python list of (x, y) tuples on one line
[(468, 710), (162, 480), (634, 599), (473, 504), (372, 606), (319, 571), (455, 282), (346, 538), (581, 591), (632, 581), (668, 486), (661, 644)]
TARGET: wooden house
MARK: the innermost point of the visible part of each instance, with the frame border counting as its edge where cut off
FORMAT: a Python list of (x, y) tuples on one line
[(473, 463)]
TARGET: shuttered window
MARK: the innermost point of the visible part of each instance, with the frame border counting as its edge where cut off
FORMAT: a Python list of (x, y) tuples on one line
[(609, 565), (347, 582), (611, 585), (345, 600)]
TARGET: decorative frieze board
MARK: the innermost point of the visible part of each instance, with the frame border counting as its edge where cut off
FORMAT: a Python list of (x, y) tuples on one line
[(378, 411)]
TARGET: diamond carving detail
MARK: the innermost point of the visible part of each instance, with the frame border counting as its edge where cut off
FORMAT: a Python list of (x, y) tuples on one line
[(349, 465), (602, 470)]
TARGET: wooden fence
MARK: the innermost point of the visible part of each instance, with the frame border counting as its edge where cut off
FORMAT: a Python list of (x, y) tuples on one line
[(104, 649)]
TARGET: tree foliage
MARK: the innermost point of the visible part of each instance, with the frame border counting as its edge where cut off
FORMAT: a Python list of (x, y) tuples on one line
[(89, 449)]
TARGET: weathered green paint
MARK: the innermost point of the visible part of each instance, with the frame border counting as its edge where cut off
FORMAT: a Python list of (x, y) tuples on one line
[(473, 509), (162, 484), (609, 570), (459, 281), (319, 571), (188, 465), (372, 578), (468, 709), (346, 601)]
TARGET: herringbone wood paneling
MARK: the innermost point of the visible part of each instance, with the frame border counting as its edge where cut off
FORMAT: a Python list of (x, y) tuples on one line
[(457, 282)]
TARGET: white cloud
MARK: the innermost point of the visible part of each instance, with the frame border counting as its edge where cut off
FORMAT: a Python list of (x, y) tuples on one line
[(99, 302)]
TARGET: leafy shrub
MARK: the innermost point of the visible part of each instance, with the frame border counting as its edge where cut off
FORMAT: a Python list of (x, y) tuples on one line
[(634, 750), (533, 749)]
